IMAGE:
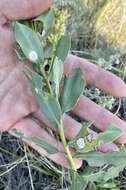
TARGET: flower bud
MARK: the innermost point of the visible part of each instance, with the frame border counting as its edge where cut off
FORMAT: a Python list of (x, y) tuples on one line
[(33, 56), (80, 143)]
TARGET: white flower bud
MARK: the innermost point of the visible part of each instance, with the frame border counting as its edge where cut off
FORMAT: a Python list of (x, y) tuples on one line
[(80, 143), (91, 137), (33, 56)]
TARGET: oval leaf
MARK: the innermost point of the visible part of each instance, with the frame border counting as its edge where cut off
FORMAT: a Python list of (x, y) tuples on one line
[(57, 74), (43, 144), (63, 47), (50, 108), (37, 140), (72, 90), (28, 41), (47, 19), (110, 135), (98, 159)]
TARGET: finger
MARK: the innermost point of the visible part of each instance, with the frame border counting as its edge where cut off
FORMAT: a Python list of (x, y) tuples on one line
[(97, 76), (29, 128), (102, 118), (72, 128), (16, 9), (107, 148)]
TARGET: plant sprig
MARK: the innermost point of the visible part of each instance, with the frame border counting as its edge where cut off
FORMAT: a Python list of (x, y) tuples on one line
[(44, 43)]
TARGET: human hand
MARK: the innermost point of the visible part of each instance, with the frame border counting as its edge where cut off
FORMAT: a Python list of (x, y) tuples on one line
[(16, 99)]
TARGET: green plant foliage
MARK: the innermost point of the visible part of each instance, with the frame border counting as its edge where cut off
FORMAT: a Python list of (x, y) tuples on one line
[(63, 47), (57, 74), (50, 107), (90, 174), (83, 136), (72, 90), (48, 52), (56, 94), (97, 159), (78, 183), (110, 135), (85, 141), (38, 141), (42, 143), (48, 20), (36, 80), (28, 41)]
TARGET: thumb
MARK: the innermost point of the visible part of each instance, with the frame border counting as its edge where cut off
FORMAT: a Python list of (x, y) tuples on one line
[(16, 9)]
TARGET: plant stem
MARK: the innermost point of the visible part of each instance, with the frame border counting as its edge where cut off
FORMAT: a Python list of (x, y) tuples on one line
[(43, 74), (66, 148), (53, 59), (47, 82)]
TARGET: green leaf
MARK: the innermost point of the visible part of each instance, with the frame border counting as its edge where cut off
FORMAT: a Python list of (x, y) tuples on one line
[(78, 182), (48, 20), (102, 175), (37, 140), (63, 47), (98, 159), (113, 172), (50, 108), (109, 185), (36, 80), (57, 74), (111, 134), (72, 90), (48, 52), (43, 144), (28, 41)]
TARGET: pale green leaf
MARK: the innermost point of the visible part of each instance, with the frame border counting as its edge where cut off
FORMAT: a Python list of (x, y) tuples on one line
[(98, 159), (102, 175), (113, 172), (28, 41), (109, 185), (37, 140), (50, 108), (110, 135), (78, 183), (37, 80), (72, 90), (48, 52), (47, 19), (57, 74), (63, 47), (44, 144)]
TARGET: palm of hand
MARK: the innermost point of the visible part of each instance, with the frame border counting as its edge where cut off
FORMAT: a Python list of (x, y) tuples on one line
[(16, 98)]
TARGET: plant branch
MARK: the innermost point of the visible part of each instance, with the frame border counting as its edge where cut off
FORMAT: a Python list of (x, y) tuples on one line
[(66, 148)]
